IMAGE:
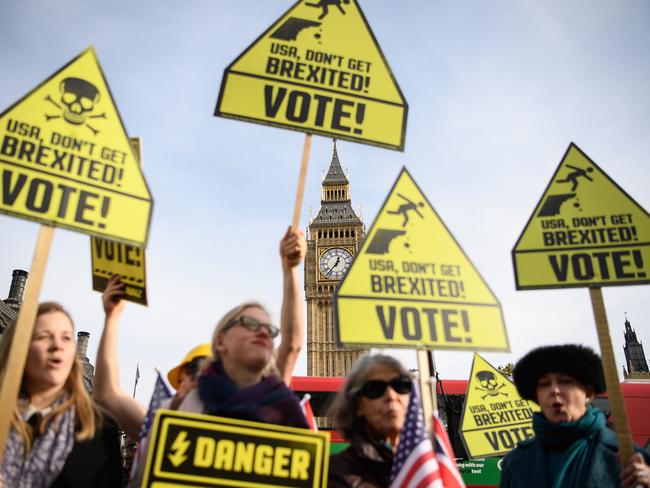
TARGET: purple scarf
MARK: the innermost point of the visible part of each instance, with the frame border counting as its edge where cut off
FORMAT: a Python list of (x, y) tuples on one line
[(269, 401)]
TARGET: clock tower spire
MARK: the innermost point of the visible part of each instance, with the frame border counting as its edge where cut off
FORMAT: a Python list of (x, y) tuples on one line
[(333, 238)]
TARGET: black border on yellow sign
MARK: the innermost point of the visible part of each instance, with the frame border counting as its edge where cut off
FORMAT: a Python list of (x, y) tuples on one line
[(219, 113), (598, 283), (154, 476), (335, 296), (471, 453), (100, 280), (103, 235)]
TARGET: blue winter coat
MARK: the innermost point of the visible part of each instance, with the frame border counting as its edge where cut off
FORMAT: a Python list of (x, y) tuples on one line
[(525, 466)]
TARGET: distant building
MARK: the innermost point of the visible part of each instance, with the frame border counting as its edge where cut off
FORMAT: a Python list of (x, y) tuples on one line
[(637, 365), (11, 305), (333, 238), (87, 369)]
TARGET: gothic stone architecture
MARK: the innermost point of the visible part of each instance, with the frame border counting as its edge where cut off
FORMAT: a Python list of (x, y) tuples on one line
[(637, 366), (10, 307), (333, 238)]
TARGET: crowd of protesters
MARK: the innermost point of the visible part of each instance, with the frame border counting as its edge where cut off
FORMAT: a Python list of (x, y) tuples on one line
[(61, 437)]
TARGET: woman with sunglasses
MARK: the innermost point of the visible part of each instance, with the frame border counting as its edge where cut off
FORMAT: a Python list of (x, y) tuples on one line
[(370, 411)]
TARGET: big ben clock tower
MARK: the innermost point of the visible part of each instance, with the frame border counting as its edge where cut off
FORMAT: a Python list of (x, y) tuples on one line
[(333, 238)]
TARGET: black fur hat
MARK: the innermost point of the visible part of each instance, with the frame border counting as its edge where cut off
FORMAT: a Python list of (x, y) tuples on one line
[(578, 361)]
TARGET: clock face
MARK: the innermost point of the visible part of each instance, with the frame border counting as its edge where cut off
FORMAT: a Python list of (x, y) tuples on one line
[(335, 262)]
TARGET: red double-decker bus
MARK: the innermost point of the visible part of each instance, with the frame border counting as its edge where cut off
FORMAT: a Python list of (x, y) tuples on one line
[(451, 395)]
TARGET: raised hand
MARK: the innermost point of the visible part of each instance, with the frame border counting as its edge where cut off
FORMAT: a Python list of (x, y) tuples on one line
[(293, 248), (112, 297)]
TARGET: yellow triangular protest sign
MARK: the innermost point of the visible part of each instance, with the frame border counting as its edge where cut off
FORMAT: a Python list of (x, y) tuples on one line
[(585, 231), (318, 69), (412, 285), (110, 258), (65, 158), (495, 418)]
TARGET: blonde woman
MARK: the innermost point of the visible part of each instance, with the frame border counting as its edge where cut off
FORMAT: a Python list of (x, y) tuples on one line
[(57, 437), (248, 378)]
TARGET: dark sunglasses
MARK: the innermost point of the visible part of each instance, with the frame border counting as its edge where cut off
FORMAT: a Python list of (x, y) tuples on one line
[(252, 324), (376, 388)]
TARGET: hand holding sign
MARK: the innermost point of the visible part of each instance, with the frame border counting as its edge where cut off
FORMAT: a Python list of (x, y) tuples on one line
[(293, 248), (112, 298)]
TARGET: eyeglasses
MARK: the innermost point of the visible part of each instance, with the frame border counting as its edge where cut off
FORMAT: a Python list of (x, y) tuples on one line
[(375, 388), (252, 324)]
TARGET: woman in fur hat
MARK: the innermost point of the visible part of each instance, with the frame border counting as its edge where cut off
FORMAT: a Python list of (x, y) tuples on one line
[(572, 446)]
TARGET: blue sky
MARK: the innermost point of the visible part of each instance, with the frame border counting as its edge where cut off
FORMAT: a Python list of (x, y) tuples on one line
[(496, 92)]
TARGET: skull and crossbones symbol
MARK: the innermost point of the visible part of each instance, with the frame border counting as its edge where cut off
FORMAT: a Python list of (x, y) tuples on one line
[(77, 101), (489, 384)]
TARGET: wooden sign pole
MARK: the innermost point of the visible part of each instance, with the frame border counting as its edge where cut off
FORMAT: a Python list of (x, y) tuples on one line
[(425, 388), (301, 182), (621, 423), (13, 374)]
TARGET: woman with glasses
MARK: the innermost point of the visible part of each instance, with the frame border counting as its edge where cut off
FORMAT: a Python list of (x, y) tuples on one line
[(248, 379), (370, 412), (242, 349), (243, 382)]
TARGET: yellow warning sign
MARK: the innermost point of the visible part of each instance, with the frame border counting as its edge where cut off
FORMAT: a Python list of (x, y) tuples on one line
[(65, 158), (115, 258), (412, 285), (585, 231), (318, 69), (191, 450), (110, 258), (495, 418)]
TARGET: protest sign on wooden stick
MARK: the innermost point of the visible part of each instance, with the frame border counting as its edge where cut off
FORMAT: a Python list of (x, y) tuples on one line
[(13, 373)]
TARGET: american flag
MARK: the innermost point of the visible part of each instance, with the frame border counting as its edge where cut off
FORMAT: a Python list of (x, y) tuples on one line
[(160, 392), (416, 464)]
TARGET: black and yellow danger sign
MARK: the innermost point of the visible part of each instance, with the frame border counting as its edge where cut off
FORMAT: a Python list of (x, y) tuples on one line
[(65, 158), (110, 258), (585, 231), (318, 69), (412, 285), (495, 418), (192, 450)]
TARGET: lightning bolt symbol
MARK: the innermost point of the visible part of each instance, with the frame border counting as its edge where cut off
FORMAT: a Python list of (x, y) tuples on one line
[(179, 448)]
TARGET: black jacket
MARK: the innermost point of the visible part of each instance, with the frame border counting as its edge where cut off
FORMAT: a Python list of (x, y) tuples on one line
[(94, 463), (365, 463)]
